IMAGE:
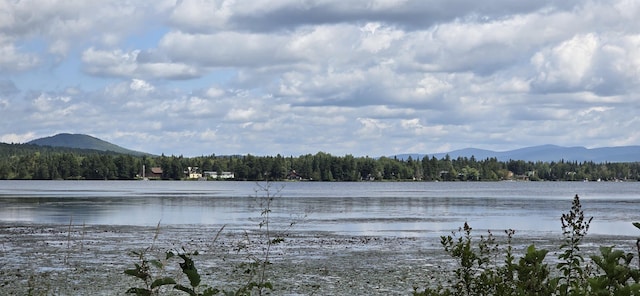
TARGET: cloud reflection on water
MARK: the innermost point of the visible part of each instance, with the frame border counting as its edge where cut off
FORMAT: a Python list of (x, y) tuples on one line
[(388, 209)]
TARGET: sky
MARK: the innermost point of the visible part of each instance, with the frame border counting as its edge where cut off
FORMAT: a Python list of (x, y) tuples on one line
[(293, 77)]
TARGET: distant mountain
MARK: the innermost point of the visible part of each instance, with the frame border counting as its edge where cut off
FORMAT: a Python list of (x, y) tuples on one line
[(546, 153), (81, 141)]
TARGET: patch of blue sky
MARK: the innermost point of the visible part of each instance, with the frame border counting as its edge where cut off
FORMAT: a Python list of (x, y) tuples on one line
[(69, 73), (36, 44), (145, 39)]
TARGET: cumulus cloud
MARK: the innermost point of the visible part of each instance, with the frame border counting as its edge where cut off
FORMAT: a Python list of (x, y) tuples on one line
[(225, 49), (206, 16), (567, 65), (111, 63), (141, 85), (135, 63), (589, 62), (12, 60), (64, 23), (292, 77), (17, 138)]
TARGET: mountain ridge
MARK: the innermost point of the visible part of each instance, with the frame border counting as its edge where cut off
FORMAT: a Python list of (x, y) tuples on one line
[(82, 141), (545, 153)]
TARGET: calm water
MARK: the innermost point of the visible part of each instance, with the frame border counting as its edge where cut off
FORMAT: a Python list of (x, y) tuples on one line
[(390, 209)]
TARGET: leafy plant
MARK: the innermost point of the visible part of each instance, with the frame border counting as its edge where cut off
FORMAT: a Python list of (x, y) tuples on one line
[(143, 271), (478, 274), (637, 225), (618, 277), (461, 249), (150, 271), (189, 269), (533, 274), (258, 265), (572, 278)]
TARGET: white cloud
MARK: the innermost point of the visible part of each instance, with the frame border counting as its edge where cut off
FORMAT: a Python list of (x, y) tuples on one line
[(141, 85), (126, 64), (12, 60), (46, 103), (64, 22), (222, 50), (430, 85), (415, 127), (602, 64), (110, 63), (568, 64), (378, 38), (291, 77), (214, 92), (371, 128), (17, 138), (201, 15), (243, 115)]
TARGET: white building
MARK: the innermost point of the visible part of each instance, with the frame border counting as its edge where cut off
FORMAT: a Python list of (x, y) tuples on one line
[(223, 175), (192, 173)]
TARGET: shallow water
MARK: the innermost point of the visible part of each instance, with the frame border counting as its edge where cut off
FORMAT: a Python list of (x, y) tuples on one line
[(407, 209)]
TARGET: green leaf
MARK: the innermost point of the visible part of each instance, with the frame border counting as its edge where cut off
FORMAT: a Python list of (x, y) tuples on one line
[(162, 282), (186, 290), (210, 291), (636, 224), (137, 273), (157, 263), (189, 268), (268, 285), (139, 291)]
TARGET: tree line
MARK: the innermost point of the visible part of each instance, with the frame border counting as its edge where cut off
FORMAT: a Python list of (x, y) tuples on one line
[(29, 162)]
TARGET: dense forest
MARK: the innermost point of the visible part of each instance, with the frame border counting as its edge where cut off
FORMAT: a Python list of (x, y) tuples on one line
[(27, 162)]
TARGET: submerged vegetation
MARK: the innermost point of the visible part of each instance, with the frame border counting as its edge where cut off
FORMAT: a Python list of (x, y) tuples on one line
[(27, 162)]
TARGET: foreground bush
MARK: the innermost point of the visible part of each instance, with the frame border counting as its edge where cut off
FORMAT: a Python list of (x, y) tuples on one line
[(478, 273)]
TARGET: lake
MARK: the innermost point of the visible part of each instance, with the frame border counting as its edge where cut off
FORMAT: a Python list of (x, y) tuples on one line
[(407, 209)]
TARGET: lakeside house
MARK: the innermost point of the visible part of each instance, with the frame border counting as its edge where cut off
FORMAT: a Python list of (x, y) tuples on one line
[(156, 173), (153, 173), (222, 175), (192, 173)]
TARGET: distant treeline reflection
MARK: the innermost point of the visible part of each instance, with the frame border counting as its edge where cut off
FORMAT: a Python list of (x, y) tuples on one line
[(18, 161)]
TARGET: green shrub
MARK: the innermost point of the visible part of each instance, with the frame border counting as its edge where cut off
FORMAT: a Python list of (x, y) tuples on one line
[(477, 274), (618, 277), (572, 280)]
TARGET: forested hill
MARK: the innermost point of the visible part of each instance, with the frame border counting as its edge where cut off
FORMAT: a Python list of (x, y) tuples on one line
[(26, 162), (81, 141), (17, 150)]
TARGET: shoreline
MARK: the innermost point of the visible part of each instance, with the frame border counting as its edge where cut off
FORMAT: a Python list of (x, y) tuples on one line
[(90, 259)]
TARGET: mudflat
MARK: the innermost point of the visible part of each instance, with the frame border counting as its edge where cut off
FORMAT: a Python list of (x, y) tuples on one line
[(45, 259)]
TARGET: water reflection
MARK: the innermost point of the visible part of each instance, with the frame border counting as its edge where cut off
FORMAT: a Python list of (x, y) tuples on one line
[(395, 209)]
